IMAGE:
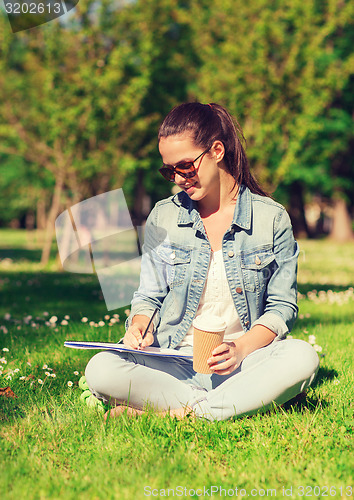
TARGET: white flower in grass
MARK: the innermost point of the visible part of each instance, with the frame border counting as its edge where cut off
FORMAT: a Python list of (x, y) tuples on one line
[(23, 378), (301, 316), (76, 373), (66, 316), (107, 317), (4, 329), (48, 374), (317, 348), (101, 323), (9, 377), (336, 381), (3, 360), (64, 322), (53, 320), (127, 312), (312, 339), (40, 381), (116, 316), (92, 323), (46, 313), (44, 367), (5, 349), (16, 370), (53, 375), (84, 320), (29, 364), (112, 321), (70, 384), (7, 316), (47, 323)]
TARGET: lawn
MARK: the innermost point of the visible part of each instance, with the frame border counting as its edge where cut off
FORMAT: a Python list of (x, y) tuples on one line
[(53, 446)]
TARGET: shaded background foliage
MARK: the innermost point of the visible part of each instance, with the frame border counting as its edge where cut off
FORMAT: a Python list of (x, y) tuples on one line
[(81, 99)]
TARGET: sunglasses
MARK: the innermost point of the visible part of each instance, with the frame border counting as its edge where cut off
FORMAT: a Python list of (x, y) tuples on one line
[(185, 169)]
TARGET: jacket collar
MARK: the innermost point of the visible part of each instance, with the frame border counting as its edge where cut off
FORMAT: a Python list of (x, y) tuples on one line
[(189, 215)]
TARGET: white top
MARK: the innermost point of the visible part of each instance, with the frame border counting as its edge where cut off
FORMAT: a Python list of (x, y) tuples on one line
[(216, 301)]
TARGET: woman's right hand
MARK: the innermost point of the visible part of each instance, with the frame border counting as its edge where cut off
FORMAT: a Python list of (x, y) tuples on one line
[(133, 337)]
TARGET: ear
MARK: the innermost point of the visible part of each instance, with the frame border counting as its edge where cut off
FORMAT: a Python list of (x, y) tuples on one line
[(218, 151)]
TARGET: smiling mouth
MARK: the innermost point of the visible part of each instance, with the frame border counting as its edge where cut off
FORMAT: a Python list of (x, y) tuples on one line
[(188, 187)]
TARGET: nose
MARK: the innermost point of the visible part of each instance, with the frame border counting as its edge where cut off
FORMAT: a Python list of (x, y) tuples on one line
[(179, 179)]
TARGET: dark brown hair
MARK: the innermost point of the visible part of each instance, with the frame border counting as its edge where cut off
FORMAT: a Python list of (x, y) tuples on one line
[(208, 123)]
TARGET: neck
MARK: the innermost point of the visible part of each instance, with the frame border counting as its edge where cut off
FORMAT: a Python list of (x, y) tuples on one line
[(220, 201)]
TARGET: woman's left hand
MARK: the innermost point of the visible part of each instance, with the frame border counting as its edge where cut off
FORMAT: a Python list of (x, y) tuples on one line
[(225, 358)]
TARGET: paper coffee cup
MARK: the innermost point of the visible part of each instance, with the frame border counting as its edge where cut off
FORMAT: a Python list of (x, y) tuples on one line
[(208, 334)]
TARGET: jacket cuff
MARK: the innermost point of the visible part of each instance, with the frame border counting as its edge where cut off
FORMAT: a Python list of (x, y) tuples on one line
[(274, 322)]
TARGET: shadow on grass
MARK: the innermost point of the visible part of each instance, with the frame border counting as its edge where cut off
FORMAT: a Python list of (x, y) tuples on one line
[(21, 254), (323, 375), (59, 293), (304, 401), (11, 409), (309, 287)]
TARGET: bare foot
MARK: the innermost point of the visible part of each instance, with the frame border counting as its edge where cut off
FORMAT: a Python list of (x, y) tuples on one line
[(119, 410)]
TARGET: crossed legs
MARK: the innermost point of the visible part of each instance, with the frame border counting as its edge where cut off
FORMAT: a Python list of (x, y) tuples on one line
[(276, 373)]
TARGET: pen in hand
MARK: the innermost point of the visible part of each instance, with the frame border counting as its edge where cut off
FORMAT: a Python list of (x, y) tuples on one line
[(148, 326)]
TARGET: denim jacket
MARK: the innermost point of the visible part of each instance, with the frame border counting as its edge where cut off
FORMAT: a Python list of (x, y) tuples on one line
[(260, 258)]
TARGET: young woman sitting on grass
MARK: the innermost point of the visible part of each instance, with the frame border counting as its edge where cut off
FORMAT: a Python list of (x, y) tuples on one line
[(219, 248)]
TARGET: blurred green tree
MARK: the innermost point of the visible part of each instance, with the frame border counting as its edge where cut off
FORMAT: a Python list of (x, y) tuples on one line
[(69, 103), (84, 100), (285, 69)]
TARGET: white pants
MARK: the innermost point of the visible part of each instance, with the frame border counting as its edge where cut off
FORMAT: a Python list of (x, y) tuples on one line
[(277, 372)]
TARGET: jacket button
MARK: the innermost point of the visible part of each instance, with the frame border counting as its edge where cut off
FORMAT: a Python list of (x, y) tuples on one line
[(238, 289), (173, 255), (258, 260), (231, 253)]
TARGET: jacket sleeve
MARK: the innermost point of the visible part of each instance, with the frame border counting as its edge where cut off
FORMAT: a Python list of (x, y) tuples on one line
[(281, 308), (153, 286)]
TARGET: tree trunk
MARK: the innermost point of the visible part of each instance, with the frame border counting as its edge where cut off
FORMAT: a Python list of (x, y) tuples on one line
[(137, 215), (53, 212), (297, 211), (29, 221), (41, 214), (341, 223)]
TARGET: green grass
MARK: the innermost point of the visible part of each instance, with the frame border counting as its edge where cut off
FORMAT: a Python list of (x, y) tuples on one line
[(52, 446)]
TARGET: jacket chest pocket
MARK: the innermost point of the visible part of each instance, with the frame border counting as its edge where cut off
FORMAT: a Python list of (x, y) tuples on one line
[(175, 261), (257, 267)]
